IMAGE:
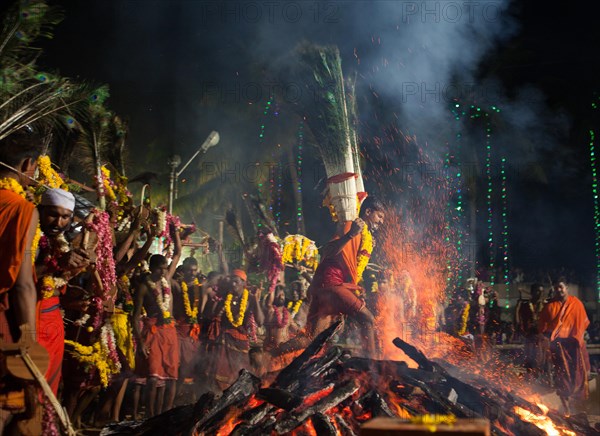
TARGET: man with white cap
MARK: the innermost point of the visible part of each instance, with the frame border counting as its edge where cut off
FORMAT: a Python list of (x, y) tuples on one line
[(56, 264)]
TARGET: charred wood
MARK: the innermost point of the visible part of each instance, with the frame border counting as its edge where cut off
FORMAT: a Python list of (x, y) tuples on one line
[(245, 386), (323, 425), (290, 421), (288, 374)]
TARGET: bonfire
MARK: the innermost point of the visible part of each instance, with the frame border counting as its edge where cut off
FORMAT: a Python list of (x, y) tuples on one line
[(326, 391)]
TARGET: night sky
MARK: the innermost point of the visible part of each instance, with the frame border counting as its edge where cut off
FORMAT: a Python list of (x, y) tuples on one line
[(179, 69)]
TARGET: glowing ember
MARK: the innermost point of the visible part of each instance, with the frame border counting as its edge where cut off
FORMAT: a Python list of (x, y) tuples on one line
[(313, 398), (254, 402), (542, 422), (228, 427)]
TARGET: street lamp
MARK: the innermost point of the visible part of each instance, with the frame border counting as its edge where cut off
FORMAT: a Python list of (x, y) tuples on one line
[(174, 161)]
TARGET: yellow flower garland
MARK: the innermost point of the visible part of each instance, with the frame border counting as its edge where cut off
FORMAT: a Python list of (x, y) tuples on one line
[(464, 319), (364, 251), (298, 248), (294, 307), (49, 176), (48, 287), (108, 189), (94, 355), (11, 184), (241, 313), (191, 314)]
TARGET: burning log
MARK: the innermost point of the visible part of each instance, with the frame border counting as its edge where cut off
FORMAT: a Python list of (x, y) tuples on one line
[(290, 421), (376, 404), (344, 427), (323, 425), (289, 373), (245, 386), (279, 398)]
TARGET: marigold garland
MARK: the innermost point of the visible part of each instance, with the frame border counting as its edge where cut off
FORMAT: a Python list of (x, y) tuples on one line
[(192, 314), (364, 251), (298, 248), (294, 307), (108, 184), (463, 320), (49, 176), (94, 356), (11, 184), (241, 313)]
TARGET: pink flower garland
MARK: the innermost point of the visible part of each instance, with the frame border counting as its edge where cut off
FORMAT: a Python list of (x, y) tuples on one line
[(105, 264), (281, 318), (272, 259), (49, 419), (175, 222)]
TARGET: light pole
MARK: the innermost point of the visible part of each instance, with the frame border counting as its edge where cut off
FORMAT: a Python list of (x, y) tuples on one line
[(174, 161)]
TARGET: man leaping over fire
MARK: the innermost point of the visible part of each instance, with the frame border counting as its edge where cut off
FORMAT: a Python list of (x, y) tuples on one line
[(334, 286)]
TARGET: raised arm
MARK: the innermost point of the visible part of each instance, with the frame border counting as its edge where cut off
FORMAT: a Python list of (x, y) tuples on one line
[(176, 254)]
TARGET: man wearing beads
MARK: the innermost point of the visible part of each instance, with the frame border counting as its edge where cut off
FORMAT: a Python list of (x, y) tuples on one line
[(157, 342), (238, 311), (55, 265)]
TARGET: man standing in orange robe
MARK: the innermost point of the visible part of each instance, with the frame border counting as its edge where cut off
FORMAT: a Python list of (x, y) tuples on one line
[(18, 224), (564, 321)]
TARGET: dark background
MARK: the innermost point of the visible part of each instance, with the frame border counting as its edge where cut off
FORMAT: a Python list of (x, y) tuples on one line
[(178, 69)]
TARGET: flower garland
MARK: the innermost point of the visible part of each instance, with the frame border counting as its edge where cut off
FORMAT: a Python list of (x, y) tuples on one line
[(105, 263), (271, 258), (11, 184), (123, 194), (281, 316), (463, 320), (163, 298), (94, 356), (364, 251), (108, 184), (294, 307), (192, 314), (298, 248), (50, 284), (243, 305), (109, 344), (49, 176)]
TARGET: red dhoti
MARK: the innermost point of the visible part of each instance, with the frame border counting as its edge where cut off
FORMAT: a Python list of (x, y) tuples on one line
[(163, 347), (333, 300), (51, 335), (189, 350), (229, 355)]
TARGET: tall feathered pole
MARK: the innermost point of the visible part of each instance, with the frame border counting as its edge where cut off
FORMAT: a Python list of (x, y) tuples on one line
[(330, 113)]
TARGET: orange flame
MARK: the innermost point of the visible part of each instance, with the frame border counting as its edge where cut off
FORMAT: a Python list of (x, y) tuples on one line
[(543, 422)]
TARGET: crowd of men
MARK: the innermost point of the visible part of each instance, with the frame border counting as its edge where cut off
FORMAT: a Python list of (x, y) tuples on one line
[(114, 319)]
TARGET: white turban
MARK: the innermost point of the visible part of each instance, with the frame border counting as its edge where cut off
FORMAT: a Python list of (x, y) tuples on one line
[(58, 197)]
